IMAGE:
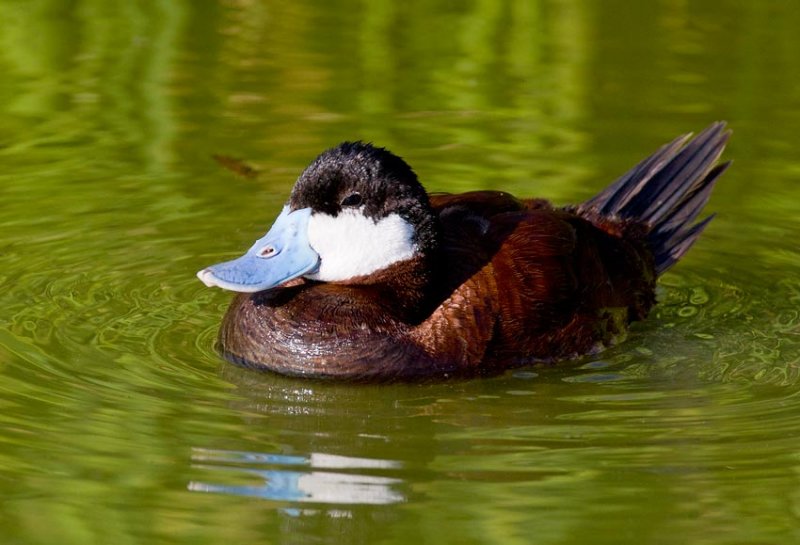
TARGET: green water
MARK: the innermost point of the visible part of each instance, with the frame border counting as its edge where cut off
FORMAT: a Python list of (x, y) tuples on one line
[(120, 424)]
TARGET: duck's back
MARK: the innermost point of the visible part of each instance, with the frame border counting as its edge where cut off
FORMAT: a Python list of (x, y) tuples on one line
[(524, 281)]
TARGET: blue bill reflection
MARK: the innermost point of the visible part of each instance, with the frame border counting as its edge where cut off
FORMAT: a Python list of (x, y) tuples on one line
[(316, 478)]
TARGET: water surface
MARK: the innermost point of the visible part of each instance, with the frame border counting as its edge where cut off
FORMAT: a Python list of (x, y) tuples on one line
[(120, 423)]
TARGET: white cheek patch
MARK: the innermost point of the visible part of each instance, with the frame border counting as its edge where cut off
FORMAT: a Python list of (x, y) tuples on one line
[(352, 244)]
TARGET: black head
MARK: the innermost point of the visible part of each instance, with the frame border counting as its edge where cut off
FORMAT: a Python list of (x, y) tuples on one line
[(359, 175), (355, 215)]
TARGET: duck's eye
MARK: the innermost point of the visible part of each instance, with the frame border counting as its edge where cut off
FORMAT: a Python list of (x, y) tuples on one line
[(353, 199)]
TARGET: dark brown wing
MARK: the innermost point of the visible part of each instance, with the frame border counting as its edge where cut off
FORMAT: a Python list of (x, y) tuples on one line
[(532, 284), (570, 288)]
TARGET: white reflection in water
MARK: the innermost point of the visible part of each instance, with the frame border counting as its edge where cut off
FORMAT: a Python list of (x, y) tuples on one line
[(294, 484)]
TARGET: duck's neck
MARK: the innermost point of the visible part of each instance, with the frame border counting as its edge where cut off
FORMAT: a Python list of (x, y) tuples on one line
[(403, 289)]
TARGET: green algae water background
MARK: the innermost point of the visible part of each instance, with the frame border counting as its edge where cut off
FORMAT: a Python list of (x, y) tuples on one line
[(120, 424)]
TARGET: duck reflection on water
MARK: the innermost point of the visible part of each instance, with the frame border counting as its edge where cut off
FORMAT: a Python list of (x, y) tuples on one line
[(315, 478)]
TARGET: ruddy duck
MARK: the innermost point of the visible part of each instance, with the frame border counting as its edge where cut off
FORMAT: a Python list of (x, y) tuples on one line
[(364, 275)]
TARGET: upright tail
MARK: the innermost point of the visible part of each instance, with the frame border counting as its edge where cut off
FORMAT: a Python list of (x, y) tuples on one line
[(666, 192)]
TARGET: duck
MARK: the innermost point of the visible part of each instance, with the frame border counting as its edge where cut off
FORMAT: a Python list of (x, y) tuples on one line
[(364, 276)]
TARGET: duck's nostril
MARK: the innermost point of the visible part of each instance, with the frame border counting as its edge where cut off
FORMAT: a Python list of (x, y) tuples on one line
[(266, 251)]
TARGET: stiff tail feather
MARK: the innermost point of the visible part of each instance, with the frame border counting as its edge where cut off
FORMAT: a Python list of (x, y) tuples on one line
[(666, 192)]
